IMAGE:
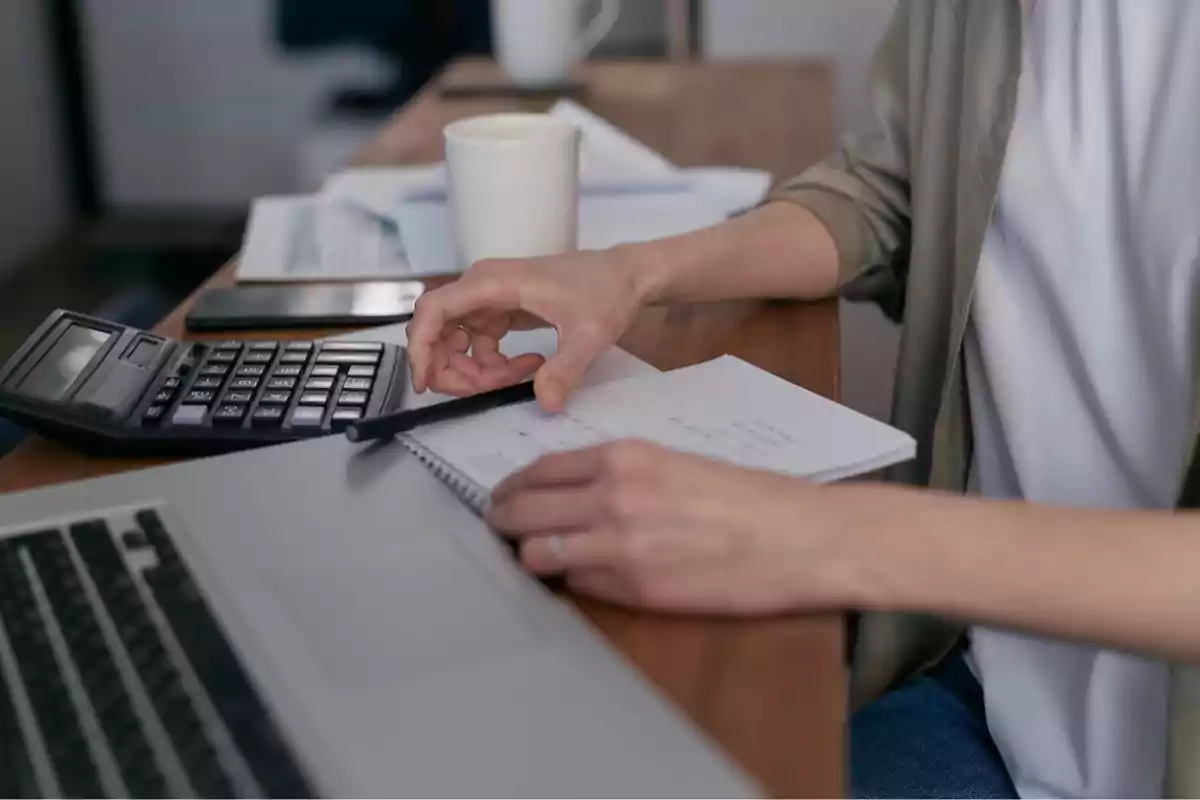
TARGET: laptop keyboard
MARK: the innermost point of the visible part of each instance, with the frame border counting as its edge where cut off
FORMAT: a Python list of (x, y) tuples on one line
[(120, 681)]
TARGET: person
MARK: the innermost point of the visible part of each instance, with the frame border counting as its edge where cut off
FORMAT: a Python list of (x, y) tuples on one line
[(1027, 206)]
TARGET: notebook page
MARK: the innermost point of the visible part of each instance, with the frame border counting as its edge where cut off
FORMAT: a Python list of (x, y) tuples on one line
[(724, 409)]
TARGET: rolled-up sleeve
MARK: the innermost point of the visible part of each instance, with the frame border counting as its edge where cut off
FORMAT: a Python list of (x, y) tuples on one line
[(862, 192)]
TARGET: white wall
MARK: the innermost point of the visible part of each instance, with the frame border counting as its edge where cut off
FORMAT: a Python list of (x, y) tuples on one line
[(845, 31), (33, 197), (196, 105)]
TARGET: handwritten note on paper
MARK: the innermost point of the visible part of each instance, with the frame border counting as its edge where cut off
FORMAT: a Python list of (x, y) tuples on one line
[(724, 409)]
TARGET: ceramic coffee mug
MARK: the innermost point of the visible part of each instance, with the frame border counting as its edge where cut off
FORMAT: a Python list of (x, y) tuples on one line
[(537, 41), (514, 186)]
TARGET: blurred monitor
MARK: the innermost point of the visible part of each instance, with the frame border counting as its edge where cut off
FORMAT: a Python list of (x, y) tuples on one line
[(418, 37)]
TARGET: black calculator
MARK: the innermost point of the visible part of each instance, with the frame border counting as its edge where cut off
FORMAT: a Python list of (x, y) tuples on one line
[(107, 388)]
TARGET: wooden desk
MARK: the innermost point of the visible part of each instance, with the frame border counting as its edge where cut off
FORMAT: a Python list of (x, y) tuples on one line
[(770, 691)]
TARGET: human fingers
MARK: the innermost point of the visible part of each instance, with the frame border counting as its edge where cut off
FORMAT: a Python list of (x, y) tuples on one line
[(571, 553), (528, 513), (578, 347), (461, 375), (436, 309), (554, 469)]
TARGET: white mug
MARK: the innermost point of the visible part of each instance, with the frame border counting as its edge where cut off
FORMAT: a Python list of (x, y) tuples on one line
[(514, 186), (537, 41)]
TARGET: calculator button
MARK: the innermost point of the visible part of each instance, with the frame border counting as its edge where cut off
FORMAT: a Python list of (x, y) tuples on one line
[(307, 417), (229, 414), (223, 357), (353, 399), (352, 347), (171, 383), (324, 371), (207, 383), (189, 416), (199, 396), (253, 371), (305, 346), (319, 385), (243, 383), (154, 415), (215, 370), (348, 358), (292, 371), (267, 416), (361, 372), (293, 358), (239, 397), (165, 396), (314, 399), (281, 383), (264, 346), (347, 414), (229, 344), (271, 398), (357, 385), (258, 357)]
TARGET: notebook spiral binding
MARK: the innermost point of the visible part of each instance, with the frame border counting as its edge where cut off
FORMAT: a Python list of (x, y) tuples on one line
[(476, 497)]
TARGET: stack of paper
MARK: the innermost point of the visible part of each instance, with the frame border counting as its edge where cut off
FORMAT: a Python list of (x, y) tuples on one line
[(395, 223)]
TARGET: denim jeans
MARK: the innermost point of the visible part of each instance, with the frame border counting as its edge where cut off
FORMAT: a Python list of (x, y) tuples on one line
[(928, 738)]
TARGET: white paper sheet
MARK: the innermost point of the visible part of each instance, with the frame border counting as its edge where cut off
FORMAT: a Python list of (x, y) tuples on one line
[(312, 238), (724, 409), (395, 222)]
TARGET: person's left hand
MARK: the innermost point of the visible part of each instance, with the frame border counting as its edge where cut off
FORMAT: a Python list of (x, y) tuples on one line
[(639, 525)]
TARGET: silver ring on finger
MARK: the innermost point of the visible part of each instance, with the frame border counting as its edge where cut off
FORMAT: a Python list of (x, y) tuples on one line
[(558, 549)]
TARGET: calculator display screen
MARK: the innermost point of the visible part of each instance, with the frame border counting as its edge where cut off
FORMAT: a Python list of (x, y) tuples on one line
[(62, 365)]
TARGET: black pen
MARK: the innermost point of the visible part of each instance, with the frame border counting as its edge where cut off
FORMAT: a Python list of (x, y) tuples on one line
[(388, 425)]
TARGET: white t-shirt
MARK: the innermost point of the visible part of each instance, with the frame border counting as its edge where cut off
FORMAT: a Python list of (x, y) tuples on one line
[(1080, 355)]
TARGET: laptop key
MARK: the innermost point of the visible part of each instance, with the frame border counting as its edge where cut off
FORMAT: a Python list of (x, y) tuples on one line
[(151, 659), (220, 671), (96, 667), (17, 779), (45, 687)]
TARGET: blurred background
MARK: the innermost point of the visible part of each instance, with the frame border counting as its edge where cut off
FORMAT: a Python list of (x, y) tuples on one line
[(136, 132)]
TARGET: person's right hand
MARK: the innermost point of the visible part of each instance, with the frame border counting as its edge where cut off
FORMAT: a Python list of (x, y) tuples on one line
[(589, 297)]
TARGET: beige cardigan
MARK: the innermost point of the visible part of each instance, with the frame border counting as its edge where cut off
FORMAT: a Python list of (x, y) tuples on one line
[(908, 207)]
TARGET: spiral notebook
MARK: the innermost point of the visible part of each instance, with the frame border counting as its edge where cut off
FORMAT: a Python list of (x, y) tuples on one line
[(724, 409)]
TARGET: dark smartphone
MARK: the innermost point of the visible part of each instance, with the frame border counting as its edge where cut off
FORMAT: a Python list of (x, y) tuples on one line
[(340, 305)]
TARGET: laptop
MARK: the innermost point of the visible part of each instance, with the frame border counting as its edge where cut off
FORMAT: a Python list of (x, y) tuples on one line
[(313, 619)]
